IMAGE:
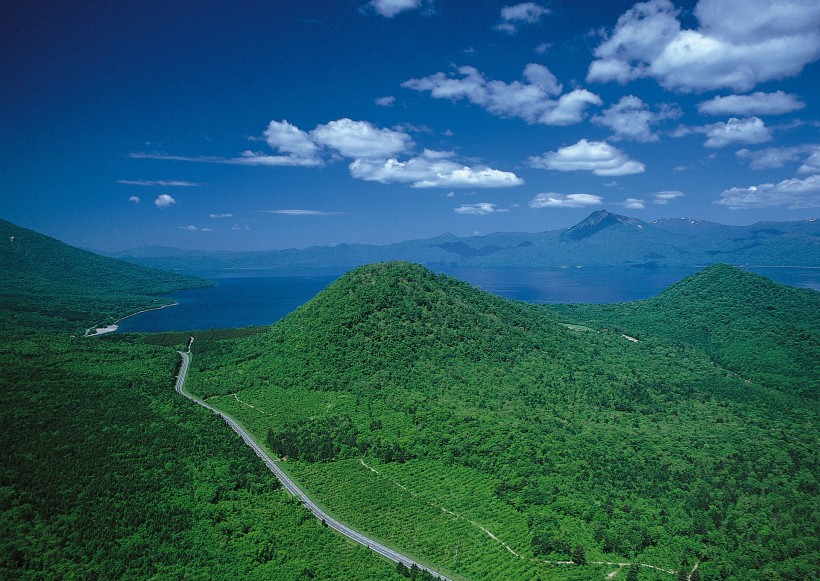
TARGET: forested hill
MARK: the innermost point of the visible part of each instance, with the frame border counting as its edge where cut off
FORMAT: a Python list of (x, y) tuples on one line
[(423, 397), (47, 283), (762, 330)]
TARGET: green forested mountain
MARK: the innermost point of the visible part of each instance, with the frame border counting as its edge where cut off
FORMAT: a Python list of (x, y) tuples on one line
[(52, 285), (602, 239), (496, 439), (106, 471), (764, 331)]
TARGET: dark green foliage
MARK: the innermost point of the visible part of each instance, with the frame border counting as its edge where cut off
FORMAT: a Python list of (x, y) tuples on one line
[(766, 332), (49, 285), (107, 473), (579, 555), (633, 573), (316, 439), (647, 449)]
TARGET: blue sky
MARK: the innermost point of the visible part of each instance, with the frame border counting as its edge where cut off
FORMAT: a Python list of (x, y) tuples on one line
[(263, 125)]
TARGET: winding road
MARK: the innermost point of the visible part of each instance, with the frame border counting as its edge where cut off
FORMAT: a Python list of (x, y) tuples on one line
[(291, 486)]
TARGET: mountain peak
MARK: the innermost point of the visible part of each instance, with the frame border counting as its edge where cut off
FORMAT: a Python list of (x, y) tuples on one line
[(598, 221)]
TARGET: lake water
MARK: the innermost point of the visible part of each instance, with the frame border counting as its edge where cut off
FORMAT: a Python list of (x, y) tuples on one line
[(263, 300)]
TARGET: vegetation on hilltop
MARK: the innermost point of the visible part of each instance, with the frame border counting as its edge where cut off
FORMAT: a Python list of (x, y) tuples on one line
[(456, 414), (766, 332)]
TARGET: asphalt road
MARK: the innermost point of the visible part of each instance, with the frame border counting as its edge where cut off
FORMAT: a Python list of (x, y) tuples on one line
[(291, 486)]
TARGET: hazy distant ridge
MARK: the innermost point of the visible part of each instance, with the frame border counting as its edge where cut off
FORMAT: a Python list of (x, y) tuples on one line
[(602, 239)]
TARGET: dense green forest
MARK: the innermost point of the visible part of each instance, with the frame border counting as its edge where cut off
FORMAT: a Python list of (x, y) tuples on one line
[(106, 471), (50, 286), (499, 440), (488, 438), (764, 331)]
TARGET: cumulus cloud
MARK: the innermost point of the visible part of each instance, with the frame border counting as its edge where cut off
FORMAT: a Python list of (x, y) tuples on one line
[(134, 199), (220, 216), (162, 183), (533, 100), (759, 103), (189, 227), (375, 153), (389, 8), (738, 44), (663, 198), (431, 169), (388, 101), (793, 193), (598, 157), (289, 139), (164, 201), (361, 139), (480, 209), (525, 13), (631, 118), (553, 200), (775, 157), (748, 130)]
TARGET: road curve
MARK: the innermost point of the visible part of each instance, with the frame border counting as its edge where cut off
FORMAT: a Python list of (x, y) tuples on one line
[(291, 486)]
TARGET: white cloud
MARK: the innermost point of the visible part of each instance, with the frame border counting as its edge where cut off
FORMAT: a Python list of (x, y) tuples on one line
[(301, 212), (189, 227), (206, 229), (663, 198), (134, 199), (775, 157), (552, 200), (480, 209), (361, 139), (245, 158), (793, 193), (739, 44), (776, 103), (287, 138), (631, 118), (164, 201), (219, 216), (431, 169), (162, 183), (374, 151), (812, 164), (633, 204), (524, 13), (532, 100), (389, 8), (388, 101), (598, 157), (748, 130)]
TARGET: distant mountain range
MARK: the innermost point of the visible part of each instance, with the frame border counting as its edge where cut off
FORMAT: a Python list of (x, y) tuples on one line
[(602, 239)]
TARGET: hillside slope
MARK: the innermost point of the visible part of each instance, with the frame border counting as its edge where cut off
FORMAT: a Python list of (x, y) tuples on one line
[(762, 330), (47, 283), (397, 390)]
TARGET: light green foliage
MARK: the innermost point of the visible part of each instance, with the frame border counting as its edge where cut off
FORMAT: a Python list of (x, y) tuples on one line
[(643, 451)]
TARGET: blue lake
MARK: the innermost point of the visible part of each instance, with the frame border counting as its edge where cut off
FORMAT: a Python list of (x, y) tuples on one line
[(263, 300)]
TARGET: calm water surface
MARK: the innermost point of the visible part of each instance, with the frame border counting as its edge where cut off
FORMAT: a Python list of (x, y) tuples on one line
[(263, 300)]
